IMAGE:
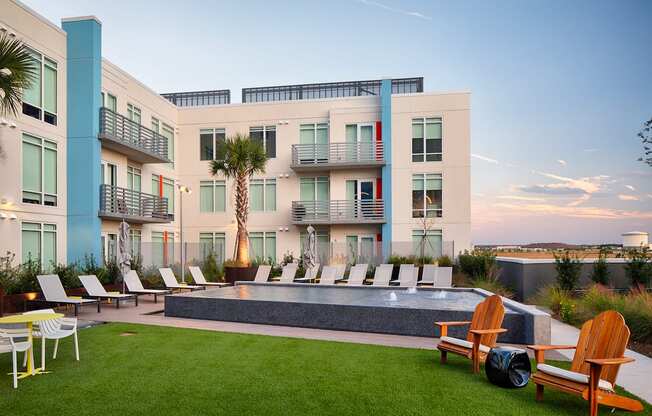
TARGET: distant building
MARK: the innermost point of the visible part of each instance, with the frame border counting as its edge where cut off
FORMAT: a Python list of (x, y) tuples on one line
[(636, 239)]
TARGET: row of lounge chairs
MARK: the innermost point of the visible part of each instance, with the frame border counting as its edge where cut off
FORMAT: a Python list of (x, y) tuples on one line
[(408, 275)]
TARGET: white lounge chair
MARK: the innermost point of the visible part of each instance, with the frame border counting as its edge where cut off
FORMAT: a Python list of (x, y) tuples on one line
[(55, 329), (407, 275), (198, 277), (135, 286), (95, 290), (262, 274), (428, 274), (328, 275), (171, 282), (289, 271), (15, 341), (444, 277), (54, 293), (383, 274), (357, 274), (340, 270), (311, 274)]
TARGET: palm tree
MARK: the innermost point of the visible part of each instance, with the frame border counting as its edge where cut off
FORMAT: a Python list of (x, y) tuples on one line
[(17, 72), (243, 158)]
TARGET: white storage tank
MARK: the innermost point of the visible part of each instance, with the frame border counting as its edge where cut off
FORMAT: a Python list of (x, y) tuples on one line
[(636, 239)]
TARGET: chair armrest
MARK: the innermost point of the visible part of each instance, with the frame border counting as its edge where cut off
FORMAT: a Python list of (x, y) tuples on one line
[(443, 326), (487, 331), (609, 361), (540, 350), (68, 322)]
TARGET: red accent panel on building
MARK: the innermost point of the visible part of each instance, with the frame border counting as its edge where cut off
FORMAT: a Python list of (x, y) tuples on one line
[(379, 188), (379, 237), (379, 131), (160, 185)]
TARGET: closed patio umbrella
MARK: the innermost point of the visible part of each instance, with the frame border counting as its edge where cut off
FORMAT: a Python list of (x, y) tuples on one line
[(124, 254), (310, 252)]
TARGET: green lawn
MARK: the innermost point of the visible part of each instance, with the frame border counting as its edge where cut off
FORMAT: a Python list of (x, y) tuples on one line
[(168, 371)]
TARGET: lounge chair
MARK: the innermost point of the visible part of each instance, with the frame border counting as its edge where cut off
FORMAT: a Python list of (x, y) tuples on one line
[(383, 274), (95, 290), (407, 276), (54, 292), (597, 359), (171, 282), (198, 277), (288, 273), (443, 277), (55, 329), (311, 274), (481, 336), (135, 286), (428, 275), (357, 274), (15, 341), (262, 274), (340, 270), (328, 275)]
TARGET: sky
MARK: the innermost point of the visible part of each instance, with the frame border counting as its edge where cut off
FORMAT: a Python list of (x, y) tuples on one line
[(559, 88)]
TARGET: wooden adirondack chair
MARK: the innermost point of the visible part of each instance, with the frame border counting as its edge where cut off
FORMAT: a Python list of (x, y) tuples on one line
[(598, 356), (481, 337)]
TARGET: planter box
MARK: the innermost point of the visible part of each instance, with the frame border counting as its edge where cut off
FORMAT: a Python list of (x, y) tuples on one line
[(239, 274), (16, 303)]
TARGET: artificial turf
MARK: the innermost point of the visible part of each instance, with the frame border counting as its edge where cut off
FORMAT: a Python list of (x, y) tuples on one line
[(170, 371)]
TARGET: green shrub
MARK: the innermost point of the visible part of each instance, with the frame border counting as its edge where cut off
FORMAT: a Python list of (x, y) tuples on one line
[(492, 286), (568, 269), (212, 271), (600, 273), (478, 265), (444, 261), (638, 268), (396, 260), (137, 264), (69, 275), (152, 278)]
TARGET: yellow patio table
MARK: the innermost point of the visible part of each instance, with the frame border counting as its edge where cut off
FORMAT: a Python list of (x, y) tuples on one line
[(29, 319)]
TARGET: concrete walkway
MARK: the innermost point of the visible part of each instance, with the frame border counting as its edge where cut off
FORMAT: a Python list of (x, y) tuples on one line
[(633, 377)]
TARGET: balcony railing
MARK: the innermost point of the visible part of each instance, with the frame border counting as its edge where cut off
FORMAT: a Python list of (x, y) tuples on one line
[(133, 206), (365, 211), (128, 137), (337, 155)]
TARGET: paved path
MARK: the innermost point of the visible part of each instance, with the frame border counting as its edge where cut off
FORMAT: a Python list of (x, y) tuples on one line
[(633, 377)]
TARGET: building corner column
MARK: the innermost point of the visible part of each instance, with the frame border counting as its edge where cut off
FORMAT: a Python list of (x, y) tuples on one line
[(386, 173)]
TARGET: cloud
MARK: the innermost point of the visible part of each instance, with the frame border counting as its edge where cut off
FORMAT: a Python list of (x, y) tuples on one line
[(411, 13), (649, 196), (630, 187), (484, 158), (562, 162), (521, 198), (575, 212), (628, 197), (551, 189), (591, 150)]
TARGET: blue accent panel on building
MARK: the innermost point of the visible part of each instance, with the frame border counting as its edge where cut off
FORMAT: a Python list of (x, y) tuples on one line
[(386, 122), (84, 80)]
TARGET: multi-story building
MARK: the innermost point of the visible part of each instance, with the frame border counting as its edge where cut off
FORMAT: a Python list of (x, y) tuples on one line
[(377, 167)]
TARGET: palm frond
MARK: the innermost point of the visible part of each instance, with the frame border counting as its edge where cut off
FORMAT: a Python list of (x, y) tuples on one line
[(15, 57)]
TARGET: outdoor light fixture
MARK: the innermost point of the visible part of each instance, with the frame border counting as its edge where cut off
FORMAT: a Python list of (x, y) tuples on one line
[(3, 122), (3, 215), (13, 217), (12, 125)]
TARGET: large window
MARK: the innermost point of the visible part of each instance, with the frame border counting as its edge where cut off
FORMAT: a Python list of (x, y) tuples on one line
[(426, 139), (164, 187), (134, 179), (211, 144), (262, 194), (39, 171), (156, 125), (213, 243), (40, 99), (322, 243), (162, 248), (39, 243), (314, 189), (135, 239), (168, 133), (133, 113), (212, 196), (426, 195), (109, 101), (262, 246), (266, 136), (427, 243)]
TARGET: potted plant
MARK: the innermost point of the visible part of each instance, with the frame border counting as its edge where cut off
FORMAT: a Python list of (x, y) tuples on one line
[(242, 159)]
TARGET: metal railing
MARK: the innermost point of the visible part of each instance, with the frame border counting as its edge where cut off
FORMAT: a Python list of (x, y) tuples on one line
[(122, 203), (355, 211), (118, 128), (198, 98), (338, 154)]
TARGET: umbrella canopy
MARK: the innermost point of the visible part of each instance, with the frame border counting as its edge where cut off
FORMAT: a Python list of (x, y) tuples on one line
[(124, 254), (310, 252)]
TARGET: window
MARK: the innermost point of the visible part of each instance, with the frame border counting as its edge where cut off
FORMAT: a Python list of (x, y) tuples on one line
[(266, 136), (162, 248), (39, 171), (361, 249), (133, 113), (314, 189), (426, 139), (134, 178), (262, 246), (323, 244), (109, 101), (40, 99), (39, 243), (211, 144), (262, 194), (427, 243), (109, 247), (213, 243), (156, 125), (108, 174), (164, 187), (168, 133), (135, 238), (212, 196), (426, 195)]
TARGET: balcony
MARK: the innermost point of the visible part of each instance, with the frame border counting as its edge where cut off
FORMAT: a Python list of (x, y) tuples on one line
[(366, 211), (136, 207), (139, 143), (331, 156)]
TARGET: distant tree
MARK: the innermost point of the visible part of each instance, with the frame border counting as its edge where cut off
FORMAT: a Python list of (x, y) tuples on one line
[(646, 137)]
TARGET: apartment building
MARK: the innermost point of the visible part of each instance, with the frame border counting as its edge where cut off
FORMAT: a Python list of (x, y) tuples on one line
[(376, 167)]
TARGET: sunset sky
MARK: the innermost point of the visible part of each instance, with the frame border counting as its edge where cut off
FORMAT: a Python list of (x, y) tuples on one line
[(559, 88)]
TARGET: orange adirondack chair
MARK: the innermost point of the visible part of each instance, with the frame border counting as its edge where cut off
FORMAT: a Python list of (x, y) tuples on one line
[(481, 337), (598, 356)]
